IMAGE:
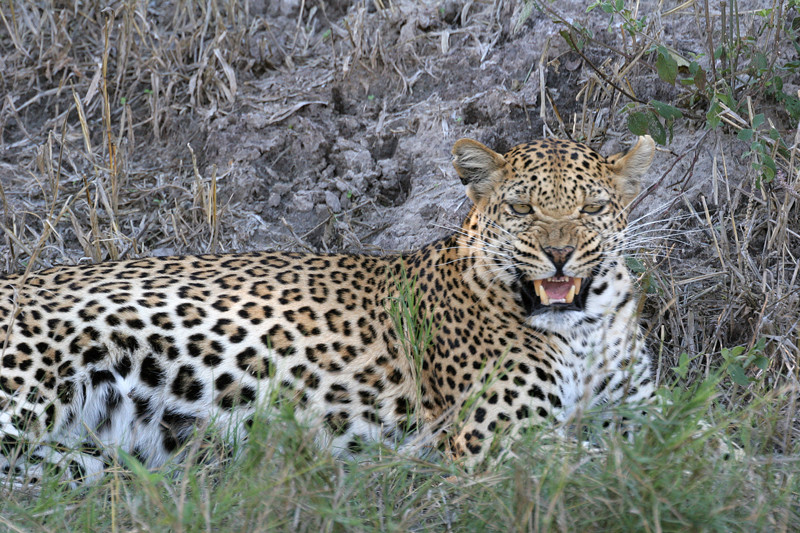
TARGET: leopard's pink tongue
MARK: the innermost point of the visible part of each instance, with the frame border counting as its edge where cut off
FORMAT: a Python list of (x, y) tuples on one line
[(557, 290)]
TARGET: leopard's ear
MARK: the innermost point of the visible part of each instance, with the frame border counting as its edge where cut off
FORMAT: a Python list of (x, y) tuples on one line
[(628, 167), (479, 167)]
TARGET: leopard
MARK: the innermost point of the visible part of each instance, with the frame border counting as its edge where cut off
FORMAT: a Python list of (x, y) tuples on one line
[(533, 313)]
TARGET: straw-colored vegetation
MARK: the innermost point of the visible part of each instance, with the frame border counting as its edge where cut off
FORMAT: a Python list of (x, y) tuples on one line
[(118, 136)]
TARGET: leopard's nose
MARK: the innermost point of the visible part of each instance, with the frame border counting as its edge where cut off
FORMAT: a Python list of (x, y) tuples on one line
[(559, 256)]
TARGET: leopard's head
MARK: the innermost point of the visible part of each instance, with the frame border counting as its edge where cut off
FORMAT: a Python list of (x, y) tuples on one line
[(550, 213)]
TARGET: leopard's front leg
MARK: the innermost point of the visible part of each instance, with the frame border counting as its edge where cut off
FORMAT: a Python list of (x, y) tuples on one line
[(491, 419)]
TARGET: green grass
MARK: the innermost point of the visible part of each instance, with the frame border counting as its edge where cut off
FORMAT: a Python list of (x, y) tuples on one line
[(669, 477), (413, 326)]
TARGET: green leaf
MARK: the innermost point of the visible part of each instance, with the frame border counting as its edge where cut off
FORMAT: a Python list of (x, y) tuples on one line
[(768, 173), (738, 376), (745, 134), (682, 62), (656, 129), (727, 99), (666, 66), (770, 163), (643, 122), (761, 343), (758, 120), (637, 123), (712, 116), (761, 362), (634, 265), (683, 365), (567, 36), (792, 104), (665, 110), (760, 61)]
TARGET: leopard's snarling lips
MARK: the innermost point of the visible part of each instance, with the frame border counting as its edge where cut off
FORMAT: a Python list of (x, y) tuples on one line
[(554, 294), (561, 290)]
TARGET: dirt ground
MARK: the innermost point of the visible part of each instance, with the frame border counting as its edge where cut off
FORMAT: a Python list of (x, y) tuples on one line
[(328, 126)]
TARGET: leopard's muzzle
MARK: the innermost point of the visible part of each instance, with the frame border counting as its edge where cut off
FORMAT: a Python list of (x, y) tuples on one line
[(553, 294)]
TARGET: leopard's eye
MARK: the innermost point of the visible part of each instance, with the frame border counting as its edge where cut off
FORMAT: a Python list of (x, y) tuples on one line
[(592, 209), (521, 209)]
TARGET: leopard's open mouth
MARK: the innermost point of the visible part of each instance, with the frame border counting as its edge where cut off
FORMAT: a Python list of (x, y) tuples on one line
[(557, 290), (562, 293)]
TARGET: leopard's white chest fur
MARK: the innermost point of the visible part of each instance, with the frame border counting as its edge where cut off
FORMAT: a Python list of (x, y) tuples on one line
[(602, 358)]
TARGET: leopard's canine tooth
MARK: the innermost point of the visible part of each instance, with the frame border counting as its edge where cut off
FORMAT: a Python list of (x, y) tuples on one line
[(570, 295), (543, 295)]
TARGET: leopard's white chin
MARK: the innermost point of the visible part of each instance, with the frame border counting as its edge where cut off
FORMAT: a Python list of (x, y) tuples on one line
[(556, 319)]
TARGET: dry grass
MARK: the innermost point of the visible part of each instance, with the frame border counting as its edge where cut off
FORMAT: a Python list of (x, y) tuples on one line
[(108, 114), (92, 87)]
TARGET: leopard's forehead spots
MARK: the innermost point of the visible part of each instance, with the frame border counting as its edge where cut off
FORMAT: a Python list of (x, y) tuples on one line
[(556, 174)]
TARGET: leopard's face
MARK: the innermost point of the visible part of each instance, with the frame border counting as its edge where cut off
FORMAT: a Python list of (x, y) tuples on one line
[(550, 214)]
